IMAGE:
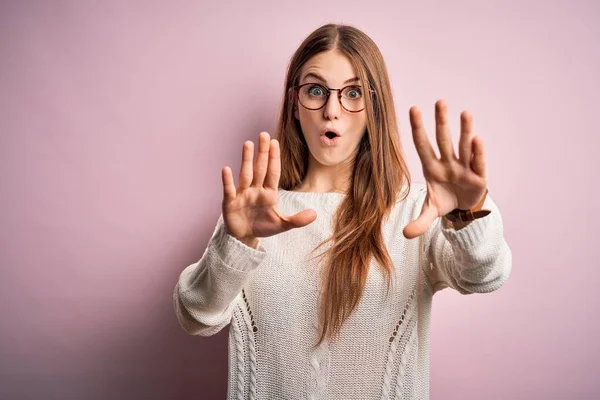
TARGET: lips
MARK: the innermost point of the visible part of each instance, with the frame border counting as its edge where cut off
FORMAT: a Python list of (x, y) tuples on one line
[(326, 140), (330, 133)]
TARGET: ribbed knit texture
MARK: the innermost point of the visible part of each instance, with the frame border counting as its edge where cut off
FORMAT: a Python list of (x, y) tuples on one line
[(269, 296)]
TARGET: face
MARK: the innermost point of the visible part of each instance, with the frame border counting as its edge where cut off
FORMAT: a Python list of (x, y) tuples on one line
[(331, 69)]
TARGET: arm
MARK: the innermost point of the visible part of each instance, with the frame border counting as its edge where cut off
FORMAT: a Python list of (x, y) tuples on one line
[(206, 291), (473, 258)]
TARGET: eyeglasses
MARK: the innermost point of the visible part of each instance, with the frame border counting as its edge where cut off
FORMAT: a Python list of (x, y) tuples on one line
[(314, 96)]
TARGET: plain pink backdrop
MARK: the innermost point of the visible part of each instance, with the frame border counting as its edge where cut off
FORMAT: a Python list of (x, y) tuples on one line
[(117, 117)]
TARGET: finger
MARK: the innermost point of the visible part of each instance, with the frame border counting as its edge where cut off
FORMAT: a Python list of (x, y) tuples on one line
[(246, 168), (478, 161), (229, 192), (442, 131), (301, 219), (262, 159), (422, 144), (466, 137), (274, 169), (420, 225)]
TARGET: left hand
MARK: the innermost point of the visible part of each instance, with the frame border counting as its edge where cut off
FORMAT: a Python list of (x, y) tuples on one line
[(451, 182)]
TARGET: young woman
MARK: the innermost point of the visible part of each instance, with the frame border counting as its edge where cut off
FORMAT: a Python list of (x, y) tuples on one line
[(325, 258)]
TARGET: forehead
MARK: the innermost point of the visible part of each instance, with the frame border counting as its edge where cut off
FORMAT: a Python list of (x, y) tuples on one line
[(334, 67)]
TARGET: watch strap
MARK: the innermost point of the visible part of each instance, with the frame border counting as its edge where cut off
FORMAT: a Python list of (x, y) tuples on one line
[(459, 215)]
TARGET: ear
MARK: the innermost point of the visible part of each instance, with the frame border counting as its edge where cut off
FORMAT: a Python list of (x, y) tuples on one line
[(296, 112)]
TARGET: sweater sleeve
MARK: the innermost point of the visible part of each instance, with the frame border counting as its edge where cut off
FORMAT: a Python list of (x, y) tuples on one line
[(206, 292), (474, 259)]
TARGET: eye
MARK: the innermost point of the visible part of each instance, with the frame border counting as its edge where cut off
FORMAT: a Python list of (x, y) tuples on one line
[(316, 91), (353, 93)]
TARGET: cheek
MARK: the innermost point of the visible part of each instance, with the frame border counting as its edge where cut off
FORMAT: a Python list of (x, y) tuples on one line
[(307, 119), (360, 124)]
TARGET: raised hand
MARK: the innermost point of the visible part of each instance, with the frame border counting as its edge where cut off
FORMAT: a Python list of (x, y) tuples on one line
[(250, 211), (452, 182)]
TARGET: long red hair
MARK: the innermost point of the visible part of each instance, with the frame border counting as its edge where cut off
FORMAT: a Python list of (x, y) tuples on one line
[(379, 172)]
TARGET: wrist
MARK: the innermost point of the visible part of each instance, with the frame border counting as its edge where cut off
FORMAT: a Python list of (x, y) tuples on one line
[(454, 225), (250, 242), (461, 218)]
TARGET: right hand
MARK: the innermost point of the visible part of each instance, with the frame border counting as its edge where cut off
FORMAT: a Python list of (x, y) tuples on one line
[(250, 211)]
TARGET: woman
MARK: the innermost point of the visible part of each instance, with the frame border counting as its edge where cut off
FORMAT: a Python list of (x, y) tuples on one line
[(350, 322)]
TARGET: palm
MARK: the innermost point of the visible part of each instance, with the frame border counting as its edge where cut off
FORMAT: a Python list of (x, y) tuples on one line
[(253, 213), (452, 182), (250, 211)]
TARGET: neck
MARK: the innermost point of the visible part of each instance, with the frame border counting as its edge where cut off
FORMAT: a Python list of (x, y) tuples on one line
[(324, 178)]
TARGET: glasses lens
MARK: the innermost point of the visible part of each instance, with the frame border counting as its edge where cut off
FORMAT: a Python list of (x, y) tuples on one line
[(313, 96), (353, 99)]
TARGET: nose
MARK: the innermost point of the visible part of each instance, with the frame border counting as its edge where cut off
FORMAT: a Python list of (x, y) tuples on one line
[(333, 108)]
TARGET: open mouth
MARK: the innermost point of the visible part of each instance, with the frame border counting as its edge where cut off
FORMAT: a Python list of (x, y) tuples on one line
[(330, 138)]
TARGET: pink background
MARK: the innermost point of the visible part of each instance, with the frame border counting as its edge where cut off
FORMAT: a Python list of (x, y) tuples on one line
[(116, 118)]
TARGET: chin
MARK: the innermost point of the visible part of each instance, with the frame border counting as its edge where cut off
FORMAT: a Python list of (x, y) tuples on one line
[(331, 161)]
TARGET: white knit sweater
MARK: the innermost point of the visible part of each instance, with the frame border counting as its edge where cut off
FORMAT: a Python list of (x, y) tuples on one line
[(269, 296)]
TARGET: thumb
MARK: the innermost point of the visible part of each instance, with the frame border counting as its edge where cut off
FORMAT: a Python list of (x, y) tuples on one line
[(420, 225), (302, 218)]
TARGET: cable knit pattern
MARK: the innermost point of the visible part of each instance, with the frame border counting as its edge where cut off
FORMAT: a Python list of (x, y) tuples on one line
[(238, 343), (269, 295), (399, 331), (249, 319), (319, 371), (402, 368)]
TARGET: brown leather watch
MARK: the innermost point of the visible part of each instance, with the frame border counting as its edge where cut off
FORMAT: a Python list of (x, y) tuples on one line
[(458, 215)]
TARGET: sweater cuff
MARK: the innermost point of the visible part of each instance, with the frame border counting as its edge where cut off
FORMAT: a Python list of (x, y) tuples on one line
[(236, 254), (469, 236), (475, 232)]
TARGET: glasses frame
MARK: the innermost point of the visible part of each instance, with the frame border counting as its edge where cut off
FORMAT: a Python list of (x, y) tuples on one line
[(328, 90)]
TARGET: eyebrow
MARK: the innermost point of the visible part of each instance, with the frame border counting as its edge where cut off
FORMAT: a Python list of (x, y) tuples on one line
[(319, 77)]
